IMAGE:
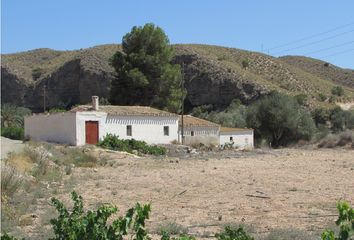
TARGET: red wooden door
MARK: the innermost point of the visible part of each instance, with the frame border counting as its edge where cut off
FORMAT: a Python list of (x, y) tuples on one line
[(91, 132)]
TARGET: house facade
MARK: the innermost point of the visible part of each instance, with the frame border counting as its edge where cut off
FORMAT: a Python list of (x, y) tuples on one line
[(236, 137), (196, 131), (87, 124)]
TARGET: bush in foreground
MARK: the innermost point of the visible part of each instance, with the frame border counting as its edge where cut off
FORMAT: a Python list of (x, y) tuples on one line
[(15, 133), (345, 222), (112, 142)]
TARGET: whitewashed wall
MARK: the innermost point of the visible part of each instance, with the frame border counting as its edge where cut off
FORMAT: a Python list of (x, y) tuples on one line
[(82, 117), (241, 139), (56, 127), (69, 128), (205, 135), (145, 128)]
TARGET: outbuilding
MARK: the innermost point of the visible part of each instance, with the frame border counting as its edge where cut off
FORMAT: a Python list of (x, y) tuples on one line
[(87, 124), (236, 137), (197, 130)]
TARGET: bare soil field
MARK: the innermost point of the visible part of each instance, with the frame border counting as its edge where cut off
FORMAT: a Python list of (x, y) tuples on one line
[(263, 190)]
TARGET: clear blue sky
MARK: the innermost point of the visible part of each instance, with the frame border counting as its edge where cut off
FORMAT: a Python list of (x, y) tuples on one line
[(74, 24)]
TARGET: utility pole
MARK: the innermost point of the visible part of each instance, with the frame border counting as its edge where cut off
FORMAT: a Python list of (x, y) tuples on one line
[(182, 108), (44, 96)]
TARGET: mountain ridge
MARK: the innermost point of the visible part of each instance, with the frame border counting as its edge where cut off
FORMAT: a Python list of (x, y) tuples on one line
[(214, 75)]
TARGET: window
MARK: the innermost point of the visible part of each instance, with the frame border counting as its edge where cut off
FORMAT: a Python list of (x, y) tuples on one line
[(231, 139), (129, 130), (166, 130), (192, 133)]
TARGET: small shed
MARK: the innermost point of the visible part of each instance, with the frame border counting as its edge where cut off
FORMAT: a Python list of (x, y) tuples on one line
[(196, 131), (237, 137)]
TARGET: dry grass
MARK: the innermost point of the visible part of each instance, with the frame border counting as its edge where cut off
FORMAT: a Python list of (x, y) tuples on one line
[(11, 180), (338, 140)]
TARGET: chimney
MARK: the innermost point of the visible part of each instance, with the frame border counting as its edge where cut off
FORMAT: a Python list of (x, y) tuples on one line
[(95, 103)]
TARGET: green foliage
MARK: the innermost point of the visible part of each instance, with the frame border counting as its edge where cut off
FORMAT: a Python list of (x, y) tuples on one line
[(5, 236), (11, 180), (12, 116), (16, 133), (322, 97), (337, 90), (57, 110), (301, 99), (233, 116), (78, 224), (245, 63), (113, 142), (349, 119), (145, 75), (280, 119), (337, 118), (345, 222), (167, 236), (233, 233), (320, 116), (36, 73)]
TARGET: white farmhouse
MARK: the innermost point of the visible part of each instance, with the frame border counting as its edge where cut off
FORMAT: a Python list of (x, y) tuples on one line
[(87, 124), (196, 131), (236, 137)]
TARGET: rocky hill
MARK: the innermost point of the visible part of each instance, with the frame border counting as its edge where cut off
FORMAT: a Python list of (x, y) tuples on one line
[(213, 75)]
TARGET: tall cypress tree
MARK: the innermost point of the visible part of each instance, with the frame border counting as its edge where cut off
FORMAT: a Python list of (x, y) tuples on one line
[(145, 75)]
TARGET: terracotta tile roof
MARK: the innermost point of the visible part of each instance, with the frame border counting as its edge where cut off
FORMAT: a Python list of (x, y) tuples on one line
[(125, 110), (228, 129), (189, 121)]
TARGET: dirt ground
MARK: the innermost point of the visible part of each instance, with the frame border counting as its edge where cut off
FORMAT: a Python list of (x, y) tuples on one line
[(264, 190)]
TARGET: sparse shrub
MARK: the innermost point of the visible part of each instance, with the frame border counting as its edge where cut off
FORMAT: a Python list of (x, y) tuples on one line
[(77, 157), (337, 91), (233, 233), (57, 110), (345, 222), (337, 140), (112, 142), (16, 133), (78, 224), (301, 99), (326, 64), (171, 228), (11, 180), (322, 97), (36, 73), (245, 63)]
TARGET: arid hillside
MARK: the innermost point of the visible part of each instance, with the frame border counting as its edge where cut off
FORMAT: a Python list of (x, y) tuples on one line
[(214, 75)]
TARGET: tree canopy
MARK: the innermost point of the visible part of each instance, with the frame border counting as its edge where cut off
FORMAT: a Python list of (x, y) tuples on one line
[(280, 119), (145, 75)]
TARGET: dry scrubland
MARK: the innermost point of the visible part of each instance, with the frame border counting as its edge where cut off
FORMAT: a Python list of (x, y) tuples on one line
[(276, 192)]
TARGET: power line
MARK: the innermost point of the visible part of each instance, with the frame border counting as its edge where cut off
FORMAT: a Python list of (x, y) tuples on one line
[(311, 36), (314, 42), (338, 53), (325, 49)]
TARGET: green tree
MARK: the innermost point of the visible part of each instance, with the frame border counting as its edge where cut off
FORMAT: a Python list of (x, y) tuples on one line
[(12, 116), (280, 119), (337, 118), (337, 90), (145, 75)]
